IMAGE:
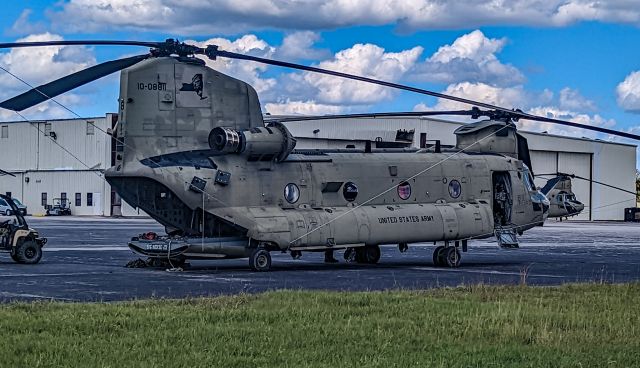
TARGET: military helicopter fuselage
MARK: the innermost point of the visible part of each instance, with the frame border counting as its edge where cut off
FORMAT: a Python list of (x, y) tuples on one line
[(562, 200), (196, 155)]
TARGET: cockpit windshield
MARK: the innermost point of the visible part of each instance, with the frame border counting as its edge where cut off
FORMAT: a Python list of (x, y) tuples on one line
[(528, 180)]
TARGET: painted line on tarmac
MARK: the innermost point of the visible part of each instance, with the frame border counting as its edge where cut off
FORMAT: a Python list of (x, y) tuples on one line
[(8, 275), (485, 272), (33, 296), (97, 248)]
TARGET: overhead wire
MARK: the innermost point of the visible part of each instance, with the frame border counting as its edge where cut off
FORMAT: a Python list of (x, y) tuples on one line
[(394, 186)]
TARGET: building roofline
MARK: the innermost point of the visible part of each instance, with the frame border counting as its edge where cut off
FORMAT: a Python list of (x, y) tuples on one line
[(596, 140)]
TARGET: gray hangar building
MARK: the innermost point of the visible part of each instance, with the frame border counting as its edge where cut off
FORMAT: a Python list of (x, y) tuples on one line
[(54, 159)]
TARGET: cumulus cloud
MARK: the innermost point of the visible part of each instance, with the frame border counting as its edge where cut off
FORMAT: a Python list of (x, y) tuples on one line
[(39, 65), (472, 58), (364, 60), (508, 97), (628, 92), (299, 45), (562, 114), (232, 17), (571, 99), (570, 106), (289, 107), (246, 71), (24, 26)]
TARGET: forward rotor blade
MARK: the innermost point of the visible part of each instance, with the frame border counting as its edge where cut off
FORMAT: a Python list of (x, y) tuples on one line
[(52, 89), (12, 45), (213, 52)]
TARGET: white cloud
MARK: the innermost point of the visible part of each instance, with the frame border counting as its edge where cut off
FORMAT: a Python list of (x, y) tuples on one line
[(244, 70), (232, 17), (364, 60), (571, 99), (289, 107), (562, 114), (299, 45), (23, 26), (507, 97), (471, 58), (628, 92), (39, 65)]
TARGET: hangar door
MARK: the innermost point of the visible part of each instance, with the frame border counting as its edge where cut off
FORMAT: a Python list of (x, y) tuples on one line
[(547, 162)]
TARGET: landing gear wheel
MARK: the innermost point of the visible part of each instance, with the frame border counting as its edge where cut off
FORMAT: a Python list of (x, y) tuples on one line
[(27, 252), (371, 254), (260, 260), (437, 256), (451, 257), (350, 255)]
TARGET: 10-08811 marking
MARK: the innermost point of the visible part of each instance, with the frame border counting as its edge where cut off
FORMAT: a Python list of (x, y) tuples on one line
[(159, 86)]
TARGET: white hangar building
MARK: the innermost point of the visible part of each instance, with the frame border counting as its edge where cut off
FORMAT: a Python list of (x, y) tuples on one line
[(53, 159), (65, 159)]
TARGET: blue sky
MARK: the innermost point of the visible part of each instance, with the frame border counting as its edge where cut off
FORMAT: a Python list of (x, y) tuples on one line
[(572, 59)]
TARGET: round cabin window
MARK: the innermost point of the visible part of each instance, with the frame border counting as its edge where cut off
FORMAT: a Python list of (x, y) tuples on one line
[(404, 190), (455, 189), (350, 191), (291, 193)]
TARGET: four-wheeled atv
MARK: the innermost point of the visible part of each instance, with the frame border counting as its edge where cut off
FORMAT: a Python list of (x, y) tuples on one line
[(24, 244)]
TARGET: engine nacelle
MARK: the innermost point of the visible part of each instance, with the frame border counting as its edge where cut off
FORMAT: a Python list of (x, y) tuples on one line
[(261, 143)]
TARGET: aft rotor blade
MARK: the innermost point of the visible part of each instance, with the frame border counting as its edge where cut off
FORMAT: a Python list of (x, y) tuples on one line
[(52, 89), (370, 115), (12, 45), (213, 52)]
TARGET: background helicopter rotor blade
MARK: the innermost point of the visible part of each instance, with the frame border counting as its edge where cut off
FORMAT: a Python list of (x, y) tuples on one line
[(574, 176), (52, 89)]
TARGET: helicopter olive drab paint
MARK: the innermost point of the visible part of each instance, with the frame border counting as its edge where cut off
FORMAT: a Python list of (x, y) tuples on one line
[(198, 158)]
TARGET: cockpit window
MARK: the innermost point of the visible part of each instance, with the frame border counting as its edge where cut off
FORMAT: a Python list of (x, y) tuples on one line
[(197, 159), (528, 180)]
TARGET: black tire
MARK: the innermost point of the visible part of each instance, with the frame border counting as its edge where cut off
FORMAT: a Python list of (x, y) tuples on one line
[(360, 255), (452, 257), (371, 254), (27, 252), (260, 260), (350, 255), (437, 260)]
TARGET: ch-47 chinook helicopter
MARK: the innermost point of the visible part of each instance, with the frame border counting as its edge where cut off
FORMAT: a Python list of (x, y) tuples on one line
[(562, 200), (195, 154)]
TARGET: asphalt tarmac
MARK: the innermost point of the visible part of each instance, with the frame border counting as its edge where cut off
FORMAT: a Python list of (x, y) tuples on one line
[(85, 257)]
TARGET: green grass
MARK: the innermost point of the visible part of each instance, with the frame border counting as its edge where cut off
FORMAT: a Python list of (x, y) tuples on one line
[(480, 326)]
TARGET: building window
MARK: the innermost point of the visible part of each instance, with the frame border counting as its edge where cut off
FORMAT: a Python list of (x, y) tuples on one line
[(63, 197), (78, 199), (47, 129), (90, 199), (8, 194), (44, 199), (4, 131), (90, 128)]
